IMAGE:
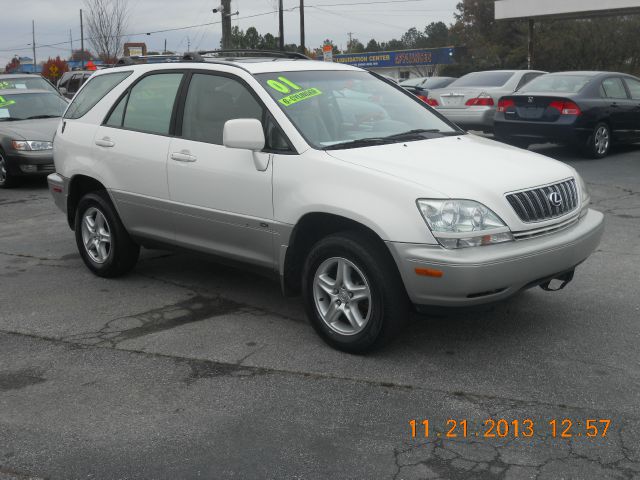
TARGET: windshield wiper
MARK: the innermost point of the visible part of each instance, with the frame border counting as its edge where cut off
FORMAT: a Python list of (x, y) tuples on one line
[(361, 142), (42, 116), (416, 133), (11, 119)]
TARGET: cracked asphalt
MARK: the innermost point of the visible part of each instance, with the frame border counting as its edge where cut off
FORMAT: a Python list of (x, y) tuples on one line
[(191, 369)]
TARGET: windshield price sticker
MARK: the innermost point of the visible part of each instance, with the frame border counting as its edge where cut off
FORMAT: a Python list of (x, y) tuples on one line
[(285, 86), (6, 103), (298, 97)]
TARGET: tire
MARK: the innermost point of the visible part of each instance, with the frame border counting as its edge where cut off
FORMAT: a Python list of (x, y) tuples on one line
[(6, 179), (599, 142), (103, 242), (374, 320)]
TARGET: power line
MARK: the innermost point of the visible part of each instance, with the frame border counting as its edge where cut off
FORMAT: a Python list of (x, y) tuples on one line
[(318, 6)]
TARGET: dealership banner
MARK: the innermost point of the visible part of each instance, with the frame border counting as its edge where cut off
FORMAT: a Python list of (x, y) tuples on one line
[(400, 58)]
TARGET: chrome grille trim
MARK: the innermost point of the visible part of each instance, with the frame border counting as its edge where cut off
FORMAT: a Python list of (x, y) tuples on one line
[(533, 205), (539, 232)]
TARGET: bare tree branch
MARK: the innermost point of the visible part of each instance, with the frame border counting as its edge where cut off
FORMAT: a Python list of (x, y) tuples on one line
[(106, 23)]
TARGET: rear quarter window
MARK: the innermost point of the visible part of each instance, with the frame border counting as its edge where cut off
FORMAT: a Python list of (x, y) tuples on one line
[(94, 90)]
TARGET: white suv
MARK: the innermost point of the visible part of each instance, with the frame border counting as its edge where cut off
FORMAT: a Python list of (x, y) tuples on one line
[(352, 191)]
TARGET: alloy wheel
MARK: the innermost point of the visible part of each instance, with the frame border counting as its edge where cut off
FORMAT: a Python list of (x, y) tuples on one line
[(96, 235), (3, 171), (342, 296), (602, 140)]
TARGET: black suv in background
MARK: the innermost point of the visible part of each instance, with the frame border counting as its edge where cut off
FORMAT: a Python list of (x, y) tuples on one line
[(70, 82)]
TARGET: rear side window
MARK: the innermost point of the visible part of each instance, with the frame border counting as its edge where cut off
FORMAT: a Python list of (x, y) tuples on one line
[(211, 101), (95, 89), (74, 83), (613, 88), (150, 104), (634, 88)]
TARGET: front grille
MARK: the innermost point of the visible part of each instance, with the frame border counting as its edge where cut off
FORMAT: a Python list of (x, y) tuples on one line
[(535, 205)]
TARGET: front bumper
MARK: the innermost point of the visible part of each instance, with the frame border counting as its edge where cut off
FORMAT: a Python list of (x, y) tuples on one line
[(473, 276), (470, 118), (30, 163)]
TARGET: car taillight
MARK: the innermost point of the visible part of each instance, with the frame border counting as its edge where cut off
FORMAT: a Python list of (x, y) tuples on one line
[(423, 98), (480, 102), (432, 102), (565, 107), (505, 103)]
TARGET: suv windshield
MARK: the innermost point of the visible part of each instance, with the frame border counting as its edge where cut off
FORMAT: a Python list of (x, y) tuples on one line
[(25, 106), (483, 79), (22, 83), (346, 109), (557, 83)]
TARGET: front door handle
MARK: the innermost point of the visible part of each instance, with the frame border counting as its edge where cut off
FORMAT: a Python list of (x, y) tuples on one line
[(105, 142), (183, 156)]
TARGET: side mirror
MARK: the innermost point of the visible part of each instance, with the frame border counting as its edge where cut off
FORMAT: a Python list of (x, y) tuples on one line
[(245, 133), (62, 90)]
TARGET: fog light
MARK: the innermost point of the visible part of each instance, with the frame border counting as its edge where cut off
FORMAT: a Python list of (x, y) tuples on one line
[(29, 168)]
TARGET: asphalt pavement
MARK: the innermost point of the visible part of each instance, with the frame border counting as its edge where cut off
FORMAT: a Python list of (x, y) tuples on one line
[(191, 369)]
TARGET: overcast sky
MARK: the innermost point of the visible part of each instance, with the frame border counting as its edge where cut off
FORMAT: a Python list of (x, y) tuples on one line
[(55, 18)]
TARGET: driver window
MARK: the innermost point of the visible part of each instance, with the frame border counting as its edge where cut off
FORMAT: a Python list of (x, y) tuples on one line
[(211, 101)]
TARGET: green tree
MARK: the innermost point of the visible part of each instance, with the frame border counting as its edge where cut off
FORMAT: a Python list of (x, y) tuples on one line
[(372, 46)]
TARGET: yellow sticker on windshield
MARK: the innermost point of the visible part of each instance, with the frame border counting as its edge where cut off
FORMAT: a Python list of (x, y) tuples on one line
[(6, 103), (299, 96)]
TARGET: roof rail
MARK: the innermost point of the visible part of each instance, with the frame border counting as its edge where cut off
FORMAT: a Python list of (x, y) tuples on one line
[(249, 52), (138, 59)]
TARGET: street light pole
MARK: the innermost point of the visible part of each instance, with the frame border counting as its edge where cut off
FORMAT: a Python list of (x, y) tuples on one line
[(81, 41)]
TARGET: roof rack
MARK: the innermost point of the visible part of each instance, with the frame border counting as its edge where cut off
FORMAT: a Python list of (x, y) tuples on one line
[(210, 55), (248, 52)]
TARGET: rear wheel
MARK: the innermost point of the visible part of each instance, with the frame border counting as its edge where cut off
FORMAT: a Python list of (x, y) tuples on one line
[(103, 242), (353, 294), (6, 179), (599, 142)]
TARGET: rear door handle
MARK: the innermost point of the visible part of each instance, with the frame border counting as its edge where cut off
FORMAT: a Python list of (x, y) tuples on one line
[(183, 156), (105, 142)]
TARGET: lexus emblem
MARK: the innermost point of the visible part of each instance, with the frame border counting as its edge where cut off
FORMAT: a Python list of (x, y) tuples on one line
[(555, 198), (530, 99)]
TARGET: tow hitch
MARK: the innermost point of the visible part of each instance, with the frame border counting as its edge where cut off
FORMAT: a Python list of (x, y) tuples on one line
[(564, 280)]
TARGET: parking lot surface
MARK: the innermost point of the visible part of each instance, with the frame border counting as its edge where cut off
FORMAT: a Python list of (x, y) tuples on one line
[(191, 369)]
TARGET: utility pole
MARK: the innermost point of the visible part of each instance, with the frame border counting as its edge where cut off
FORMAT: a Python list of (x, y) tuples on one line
[(71, 43), (302, 46), (188, 44), (281, 24), (165, 46), (226, 24), (531, 43), (349, 45), (33, 33), (81, 41)]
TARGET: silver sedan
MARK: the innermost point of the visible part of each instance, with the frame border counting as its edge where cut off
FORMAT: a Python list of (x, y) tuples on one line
[(471, 101)]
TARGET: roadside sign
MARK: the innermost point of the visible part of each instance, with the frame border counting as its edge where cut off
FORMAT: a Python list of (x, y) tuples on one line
[(53, 70), (327, 53)]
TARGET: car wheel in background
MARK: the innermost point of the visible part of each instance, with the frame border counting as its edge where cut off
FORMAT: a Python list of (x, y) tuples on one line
[(6, 180), (353, 293), (599, 142), (103, 242)]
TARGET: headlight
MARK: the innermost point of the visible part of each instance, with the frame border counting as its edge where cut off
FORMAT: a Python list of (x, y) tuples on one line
[(31, 145), (463, 223)]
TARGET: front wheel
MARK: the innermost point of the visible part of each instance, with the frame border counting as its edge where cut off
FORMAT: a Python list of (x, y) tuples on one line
[(353, 293), (599, 142), (6, 179), (103, 242)]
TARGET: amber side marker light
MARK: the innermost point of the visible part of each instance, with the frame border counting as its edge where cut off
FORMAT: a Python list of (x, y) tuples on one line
[(429, 272)]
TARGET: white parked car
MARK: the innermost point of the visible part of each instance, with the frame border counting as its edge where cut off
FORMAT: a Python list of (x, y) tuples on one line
[(471, 101), (366, 214)]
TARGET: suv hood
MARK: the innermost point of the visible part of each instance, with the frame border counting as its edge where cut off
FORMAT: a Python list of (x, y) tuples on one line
[(42, 129), (467, 166)]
